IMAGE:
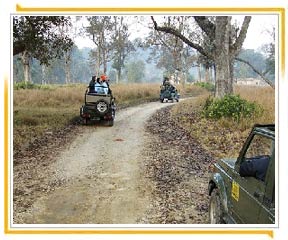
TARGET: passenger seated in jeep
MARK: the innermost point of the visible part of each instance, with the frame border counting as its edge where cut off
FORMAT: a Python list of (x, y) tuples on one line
[(100, 86), (255, 167), (92, 84), (166, 81)]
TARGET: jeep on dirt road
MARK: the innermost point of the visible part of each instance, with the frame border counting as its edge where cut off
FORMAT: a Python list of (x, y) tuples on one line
[(242, 190), (169, 92), (99, 105)]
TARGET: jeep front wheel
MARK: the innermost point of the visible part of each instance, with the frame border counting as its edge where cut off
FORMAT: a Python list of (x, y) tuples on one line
[(215, 208)]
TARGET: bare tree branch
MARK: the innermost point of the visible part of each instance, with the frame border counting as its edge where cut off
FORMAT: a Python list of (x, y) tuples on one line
[(240, 39), (206, 26), (183, 38), (262, 75)]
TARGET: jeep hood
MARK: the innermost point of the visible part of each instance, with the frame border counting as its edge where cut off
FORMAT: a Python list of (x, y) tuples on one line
[(227, 163)]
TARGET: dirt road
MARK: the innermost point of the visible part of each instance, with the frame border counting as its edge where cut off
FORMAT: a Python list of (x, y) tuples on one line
[(102, 178)]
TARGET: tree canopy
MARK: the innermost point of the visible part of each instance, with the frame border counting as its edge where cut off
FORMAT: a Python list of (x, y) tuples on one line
[(38, 36), (178, 46), (225, 45)]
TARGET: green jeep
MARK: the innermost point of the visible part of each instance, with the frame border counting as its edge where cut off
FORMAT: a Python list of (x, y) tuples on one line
[(168, 92), (242, 190)]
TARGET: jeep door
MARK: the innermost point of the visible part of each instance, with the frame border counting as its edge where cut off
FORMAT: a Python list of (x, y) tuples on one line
[(267, 212), (248, 192)]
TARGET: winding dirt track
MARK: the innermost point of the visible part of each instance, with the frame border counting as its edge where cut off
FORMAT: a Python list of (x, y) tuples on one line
[(102, 171)]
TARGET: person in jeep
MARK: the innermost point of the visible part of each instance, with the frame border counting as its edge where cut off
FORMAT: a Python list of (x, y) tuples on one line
[(100, 85), (92, 84), (165, 81), (255, 167)]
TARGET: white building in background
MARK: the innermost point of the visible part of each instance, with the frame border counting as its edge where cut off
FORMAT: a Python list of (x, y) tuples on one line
[(251, 82)]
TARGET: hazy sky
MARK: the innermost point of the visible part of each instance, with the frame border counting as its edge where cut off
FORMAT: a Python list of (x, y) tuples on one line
[(257, 32), (256, 35)]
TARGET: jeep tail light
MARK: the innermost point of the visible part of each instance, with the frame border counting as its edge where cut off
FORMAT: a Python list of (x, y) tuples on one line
[(108, 117), (86, 115)]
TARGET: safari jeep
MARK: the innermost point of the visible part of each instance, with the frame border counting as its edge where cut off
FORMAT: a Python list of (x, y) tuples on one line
[(242, 190), (168, 92), (99, 105)]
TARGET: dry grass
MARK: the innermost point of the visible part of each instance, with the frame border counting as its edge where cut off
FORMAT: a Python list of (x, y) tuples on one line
[(224, 138), (37, 111), (265, 96)]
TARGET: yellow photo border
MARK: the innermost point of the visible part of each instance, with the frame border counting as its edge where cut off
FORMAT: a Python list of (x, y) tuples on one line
[(125, 10)]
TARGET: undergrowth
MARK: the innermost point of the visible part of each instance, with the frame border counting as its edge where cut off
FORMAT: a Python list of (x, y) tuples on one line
[(224, 133)]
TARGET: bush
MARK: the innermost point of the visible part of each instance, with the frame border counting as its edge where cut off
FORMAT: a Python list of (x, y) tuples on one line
[(231, 106), (208, 86), (25, 85)]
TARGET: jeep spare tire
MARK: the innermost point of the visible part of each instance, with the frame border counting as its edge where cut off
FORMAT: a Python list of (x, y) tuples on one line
[(102, 107)]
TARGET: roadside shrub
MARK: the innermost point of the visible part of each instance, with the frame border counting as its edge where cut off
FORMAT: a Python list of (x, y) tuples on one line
[(231, 106), (208, 86), (25, 85)]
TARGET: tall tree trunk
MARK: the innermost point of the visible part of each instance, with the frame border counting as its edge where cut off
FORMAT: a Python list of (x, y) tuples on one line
[(212, 74), (98, 63), (44, 80), (118, 76), (207, 74), (104, 62), (231, 79), (67, 60), (199, 73), (26, 66), (222, 57), (15, 74)]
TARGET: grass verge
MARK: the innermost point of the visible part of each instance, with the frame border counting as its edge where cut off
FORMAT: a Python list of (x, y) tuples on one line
[(224, 137)]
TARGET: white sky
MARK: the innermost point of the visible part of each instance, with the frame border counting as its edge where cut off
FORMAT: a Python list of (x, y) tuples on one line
[(257, 31), (256, 35)]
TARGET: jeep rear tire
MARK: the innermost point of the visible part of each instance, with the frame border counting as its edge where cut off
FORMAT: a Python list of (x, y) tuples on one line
[(86, 121), (215, 208)]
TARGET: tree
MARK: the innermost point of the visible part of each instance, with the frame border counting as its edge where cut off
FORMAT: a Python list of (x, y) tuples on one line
[(169, 52), (267, 73), (80, 70), (37, 35), (121, 45), (100, 30), (242, 70), (269, 51), (26, 58), (135, 71), (223, 49)]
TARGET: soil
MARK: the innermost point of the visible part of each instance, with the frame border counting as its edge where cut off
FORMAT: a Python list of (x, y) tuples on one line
[(143, 170)]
